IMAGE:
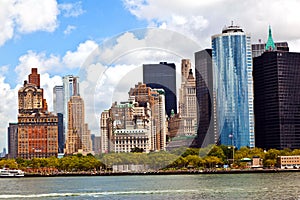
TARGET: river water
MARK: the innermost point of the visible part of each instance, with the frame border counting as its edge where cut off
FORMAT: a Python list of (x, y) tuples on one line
[(205, 186)]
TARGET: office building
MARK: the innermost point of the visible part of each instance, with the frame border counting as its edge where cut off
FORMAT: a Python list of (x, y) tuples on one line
[(162, 76), (70, 88), (78, 139), (277, 99), (233, 87), (206, 115), (105, 138), (37, 128), (187, 100), (58, 99), (260, 48), (96, 143), (12, 140)]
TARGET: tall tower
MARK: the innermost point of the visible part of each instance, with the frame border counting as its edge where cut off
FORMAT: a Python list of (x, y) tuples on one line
[(187, 100), (162, 76), (58, 99), (204, 90), (78, 137), (37, 128), (71, 88), (233, 86), (277, 98)]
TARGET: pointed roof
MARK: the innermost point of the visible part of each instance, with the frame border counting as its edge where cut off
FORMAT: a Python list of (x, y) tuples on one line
[(270, 46)]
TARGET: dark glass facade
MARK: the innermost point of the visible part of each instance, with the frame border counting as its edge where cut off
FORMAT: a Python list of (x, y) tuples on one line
[(277, 100), (204, 88), (162, 75)]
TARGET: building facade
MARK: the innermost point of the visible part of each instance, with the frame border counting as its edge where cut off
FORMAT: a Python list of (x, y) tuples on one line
[(12, 140), (70, 88), (187, 100), (259, 49), (37, 128), (277, 100), (206, 111), (58, 99), (79, 136), (233, 87), (162, 76), (144, 95)]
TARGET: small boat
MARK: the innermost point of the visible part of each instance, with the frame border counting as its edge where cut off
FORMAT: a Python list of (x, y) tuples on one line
[(11, 173)]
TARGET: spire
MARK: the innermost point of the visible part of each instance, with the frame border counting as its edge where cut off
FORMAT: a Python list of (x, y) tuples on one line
[(270, 46)]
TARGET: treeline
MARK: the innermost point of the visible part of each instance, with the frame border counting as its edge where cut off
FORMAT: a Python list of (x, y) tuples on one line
[(208, 157), (181, 158), (73, 163)]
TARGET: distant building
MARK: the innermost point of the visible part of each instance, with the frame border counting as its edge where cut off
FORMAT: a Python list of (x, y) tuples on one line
[(207, 133), (139, 122), (277, 99), (162, 76), (37, 128), (58, 99), (96, 144), (79, 136), (187, 100), (259, 49), (12, 140), (288, 162), (61, 136), (233, 87), (70, 88), (105, 138), (156, 99)]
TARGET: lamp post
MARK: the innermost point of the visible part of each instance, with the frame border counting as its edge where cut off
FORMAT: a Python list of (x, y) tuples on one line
[(232, 143)]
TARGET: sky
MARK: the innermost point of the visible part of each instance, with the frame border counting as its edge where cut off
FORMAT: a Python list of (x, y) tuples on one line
[(105, 42)]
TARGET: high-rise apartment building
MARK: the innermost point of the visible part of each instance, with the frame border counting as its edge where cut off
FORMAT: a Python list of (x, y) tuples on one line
[(187, 100), (207, 120), (233, 87), (277, 98), (162, 76), (37, 128), (12, 140), (78, 139)]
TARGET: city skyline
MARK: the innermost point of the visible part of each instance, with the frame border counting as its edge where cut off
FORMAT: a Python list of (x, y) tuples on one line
[(70, 31)]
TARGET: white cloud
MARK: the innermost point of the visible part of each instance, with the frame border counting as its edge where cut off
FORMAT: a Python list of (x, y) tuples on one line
[(26, 16), (201, 19), (8, 108), (75, 59), (33, 15), (71, 10), (69, 29)]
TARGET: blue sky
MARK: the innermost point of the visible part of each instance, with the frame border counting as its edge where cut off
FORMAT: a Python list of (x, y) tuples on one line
[(67, 37)]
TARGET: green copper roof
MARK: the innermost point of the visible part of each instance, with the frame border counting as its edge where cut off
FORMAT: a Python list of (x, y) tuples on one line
[(270, 46)]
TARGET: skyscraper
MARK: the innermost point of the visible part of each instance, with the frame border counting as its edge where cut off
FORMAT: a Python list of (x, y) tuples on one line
[(37, 128), (71, 88), (187, 100), (207, 120), (259, 49), (12, 140), (277, 98), (233, 87), (79, 136), (162, 76), (58, 99)]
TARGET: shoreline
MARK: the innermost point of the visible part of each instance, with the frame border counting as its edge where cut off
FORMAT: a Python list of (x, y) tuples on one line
[(177, 172)]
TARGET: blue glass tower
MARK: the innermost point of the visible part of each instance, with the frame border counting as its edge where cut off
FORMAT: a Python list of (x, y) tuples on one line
[(233, 87)]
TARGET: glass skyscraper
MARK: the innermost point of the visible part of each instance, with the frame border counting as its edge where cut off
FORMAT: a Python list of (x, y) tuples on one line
[(233, 87)]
